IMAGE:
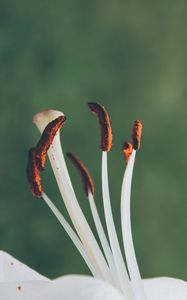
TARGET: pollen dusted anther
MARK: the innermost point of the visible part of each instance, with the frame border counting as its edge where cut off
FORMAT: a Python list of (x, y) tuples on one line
[(136, 134), (127, 150), (46, 140), (33, 174), (87, 181), (104, 121)]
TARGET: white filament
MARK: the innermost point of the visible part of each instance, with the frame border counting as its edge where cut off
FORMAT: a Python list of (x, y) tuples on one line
[(118, 258), (78, 218), (102, 235), (127, 233), (115, 271), (71, 233)]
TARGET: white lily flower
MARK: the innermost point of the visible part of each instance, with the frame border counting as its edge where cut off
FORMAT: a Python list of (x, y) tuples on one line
[(111, 279), (19, 282)]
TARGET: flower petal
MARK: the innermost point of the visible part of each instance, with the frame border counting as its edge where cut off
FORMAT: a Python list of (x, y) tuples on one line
[(11, 269), (17, 281), (80, 288), (165, 288), (22, 290), (84, 287)]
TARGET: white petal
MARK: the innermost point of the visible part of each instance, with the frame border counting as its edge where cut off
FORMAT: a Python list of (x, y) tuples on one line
[(22, 290), (83, 288), (11, 269), (165, 288), (17, 281), (80, 288)]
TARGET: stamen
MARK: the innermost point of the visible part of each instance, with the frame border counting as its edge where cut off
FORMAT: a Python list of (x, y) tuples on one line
[(104, 120), (115, 270), (78, 219), (41, 120), (46, 140), (87, 181), (73, 236), (66, 189), (136, 134), (118, 258), (89, 189), (102, 237), (33, 175), (106, 143), (127, 233), (127, 150)]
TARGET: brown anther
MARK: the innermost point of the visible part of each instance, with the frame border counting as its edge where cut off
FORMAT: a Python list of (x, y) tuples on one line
[(87, 181), (106, 130), (136, 134), (127, 150), (33, 174), (46, 140), (19, 287)]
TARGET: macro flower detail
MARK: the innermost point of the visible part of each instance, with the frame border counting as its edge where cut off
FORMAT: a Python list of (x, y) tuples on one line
[(112, 277), (87, 181), (46, 140), (33, 174), (104, 120)]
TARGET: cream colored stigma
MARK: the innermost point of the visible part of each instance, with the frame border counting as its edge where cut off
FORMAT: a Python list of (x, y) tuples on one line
[(105, 261)]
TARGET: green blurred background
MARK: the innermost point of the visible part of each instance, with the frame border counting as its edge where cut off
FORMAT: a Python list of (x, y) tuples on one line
[(129, 55)]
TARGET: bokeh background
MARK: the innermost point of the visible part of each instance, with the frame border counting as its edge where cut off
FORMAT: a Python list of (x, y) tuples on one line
[(129, 55)]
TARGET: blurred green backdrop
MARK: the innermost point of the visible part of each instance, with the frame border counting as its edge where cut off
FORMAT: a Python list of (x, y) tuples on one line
[(129, 55)]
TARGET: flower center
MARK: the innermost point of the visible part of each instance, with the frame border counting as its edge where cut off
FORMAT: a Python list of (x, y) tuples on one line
[(105, 262)]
